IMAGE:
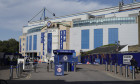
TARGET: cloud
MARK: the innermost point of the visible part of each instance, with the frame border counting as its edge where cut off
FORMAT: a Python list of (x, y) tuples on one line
[(15, 13)]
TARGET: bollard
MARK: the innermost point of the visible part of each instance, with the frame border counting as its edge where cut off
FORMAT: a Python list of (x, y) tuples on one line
[(106, 66), (126, 71), (74, 67), (133, 73), (21, 67), (115, 68), (121, 73), (102, 60), (67, 67), (17, 71), (11, 72), (111, 67), (30, 67), (35, 67)]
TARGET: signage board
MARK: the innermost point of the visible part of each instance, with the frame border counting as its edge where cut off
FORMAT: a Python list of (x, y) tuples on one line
[(59, 70), (21, 60), (127, 58), (97, 60), (65, 58)]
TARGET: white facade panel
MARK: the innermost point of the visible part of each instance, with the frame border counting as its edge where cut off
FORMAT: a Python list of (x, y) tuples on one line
[(38, 42), (127, 34), (75, 39)]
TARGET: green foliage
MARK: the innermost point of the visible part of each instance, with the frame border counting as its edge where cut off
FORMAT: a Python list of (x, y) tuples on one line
[(10, 46), (89, 52), (109, 45)]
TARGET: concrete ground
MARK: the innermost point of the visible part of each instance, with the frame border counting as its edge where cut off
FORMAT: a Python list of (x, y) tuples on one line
[(85, 74)]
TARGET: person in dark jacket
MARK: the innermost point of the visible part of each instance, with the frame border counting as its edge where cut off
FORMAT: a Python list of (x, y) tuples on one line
[(134, 63)]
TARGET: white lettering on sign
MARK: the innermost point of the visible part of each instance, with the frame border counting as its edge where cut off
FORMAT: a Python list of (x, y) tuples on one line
[(127, 58)]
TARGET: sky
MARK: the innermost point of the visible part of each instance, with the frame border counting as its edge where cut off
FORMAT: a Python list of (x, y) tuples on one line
[(14, 14)]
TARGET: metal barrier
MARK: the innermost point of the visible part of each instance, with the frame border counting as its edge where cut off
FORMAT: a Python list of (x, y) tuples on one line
[(106, 67), (126, 71), (11, 72), (74, 67), (111, 67), (115, 68), (67, 67), (35, 66), (121, 72), (17, 70), (133, 73)]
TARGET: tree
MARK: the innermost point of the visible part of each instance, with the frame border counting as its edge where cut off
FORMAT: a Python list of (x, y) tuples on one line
[(10, 46)]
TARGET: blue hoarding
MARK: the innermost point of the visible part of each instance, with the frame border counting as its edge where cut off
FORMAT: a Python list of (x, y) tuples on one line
[(59, 70)]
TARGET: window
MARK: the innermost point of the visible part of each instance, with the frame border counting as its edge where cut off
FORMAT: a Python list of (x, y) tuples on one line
[(112, 35), (85, 39), (27, 43), (105, 21), (30, 43), (35, 42)]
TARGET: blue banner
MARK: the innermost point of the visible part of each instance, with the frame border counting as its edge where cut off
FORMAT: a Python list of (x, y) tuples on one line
[(42, 37), (59, 70), (49, 44), (64, 35), (61, 39)]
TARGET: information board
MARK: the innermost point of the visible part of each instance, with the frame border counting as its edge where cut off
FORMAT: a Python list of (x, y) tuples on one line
[(127, 58), (59, 70), (97, 60)]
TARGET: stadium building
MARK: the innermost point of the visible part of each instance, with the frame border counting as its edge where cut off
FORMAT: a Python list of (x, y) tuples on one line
[(82, 31)]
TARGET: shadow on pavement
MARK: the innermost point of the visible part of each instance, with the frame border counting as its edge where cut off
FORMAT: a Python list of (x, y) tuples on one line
[(64, 82)]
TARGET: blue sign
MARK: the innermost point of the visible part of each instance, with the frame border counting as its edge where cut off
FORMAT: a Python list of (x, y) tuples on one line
[(97, 60), (65, 58), (63, 51), (59, 70)]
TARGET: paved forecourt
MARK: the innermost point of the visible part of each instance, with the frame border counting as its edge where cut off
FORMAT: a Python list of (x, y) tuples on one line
[(84, 73)]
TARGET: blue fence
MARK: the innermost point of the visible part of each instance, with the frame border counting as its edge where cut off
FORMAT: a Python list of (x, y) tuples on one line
[(114, 58)]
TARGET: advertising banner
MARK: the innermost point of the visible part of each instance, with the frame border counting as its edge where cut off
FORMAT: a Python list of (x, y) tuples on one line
[(61, 39), (59, 70)]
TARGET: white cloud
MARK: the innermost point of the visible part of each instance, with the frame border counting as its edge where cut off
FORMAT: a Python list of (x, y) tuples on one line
[(15, 13)]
